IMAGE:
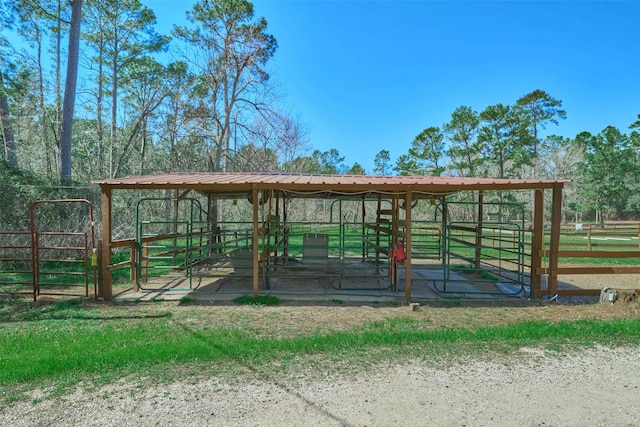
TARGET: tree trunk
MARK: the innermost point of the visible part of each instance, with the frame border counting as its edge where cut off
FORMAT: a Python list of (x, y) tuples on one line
[(58, 77), (99, 100), (143, 145), (114, 103), (7, 130), (70, 91)]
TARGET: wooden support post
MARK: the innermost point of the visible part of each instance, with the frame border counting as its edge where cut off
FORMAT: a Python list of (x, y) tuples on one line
[(537, 242), (556, 210), (99, 270), (174, 252), (364, 236), (132, 263), (255, 242), (478, 257), (132, 266), (379, 226), (285, 231), (105, 288), (278, 230), (144, 262), (393, 268), (407, 270)]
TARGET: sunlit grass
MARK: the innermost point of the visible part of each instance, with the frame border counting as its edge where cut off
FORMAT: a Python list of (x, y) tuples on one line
[(68, 341)]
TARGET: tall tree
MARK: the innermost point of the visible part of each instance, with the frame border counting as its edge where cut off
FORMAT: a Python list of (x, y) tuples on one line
[(382, 163), (633, 202), (330, 162), (148, 83), (34, 20), (228, 52), (505, 140), (356, 169), (428, 151), (540, 109), (95, 34), (407, 165), (8, 139), (5, 125), (607, 169), (70, 91), (464, 149), (505, 143), (122, 34)]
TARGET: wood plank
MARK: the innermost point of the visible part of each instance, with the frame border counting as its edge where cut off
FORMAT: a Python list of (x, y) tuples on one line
[(598, 254), (578, 292), (593, 270), (123, 243)]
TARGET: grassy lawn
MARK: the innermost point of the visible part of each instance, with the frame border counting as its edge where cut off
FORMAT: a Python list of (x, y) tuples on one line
[(58, 344)]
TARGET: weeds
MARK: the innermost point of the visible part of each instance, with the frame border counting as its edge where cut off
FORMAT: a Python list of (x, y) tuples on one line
[(259, 300)]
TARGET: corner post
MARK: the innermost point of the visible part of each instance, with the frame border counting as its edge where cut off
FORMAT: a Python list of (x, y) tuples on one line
[(255, 242), (105, 289), (407, 269), (556, 211), (537, 243), (479, 229)]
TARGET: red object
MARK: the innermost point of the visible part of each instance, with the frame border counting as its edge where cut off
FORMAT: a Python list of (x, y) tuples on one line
[(398, 254)]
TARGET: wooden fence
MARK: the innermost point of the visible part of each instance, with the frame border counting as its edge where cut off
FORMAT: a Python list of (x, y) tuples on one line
[(614, 242)]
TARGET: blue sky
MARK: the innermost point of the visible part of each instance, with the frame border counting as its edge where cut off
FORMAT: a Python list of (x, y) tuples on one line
[(370, 75)]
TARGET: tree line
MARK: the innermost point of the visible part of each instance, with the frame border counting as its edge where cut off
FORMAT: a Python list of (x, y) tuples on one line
[(503, 141), (90, 90)]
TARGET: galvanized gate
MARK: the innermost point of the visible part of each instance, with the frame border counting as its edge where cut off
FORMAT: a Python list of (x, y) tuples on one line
[(490, 253), (166, 247)]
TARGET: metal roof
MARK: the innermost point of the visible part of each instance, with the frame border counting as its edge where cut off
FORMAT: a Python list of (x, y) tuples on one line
[(237, 182)]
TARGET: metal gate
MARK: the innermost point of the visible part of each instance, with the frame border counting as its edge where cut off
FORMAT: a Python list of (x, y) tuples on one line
[(488, 253), (165, 248), (63, 260), (43, 261)]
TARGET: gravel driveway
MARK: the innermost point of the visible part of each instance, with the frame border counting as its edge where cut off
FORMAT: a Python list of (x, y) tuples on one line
[(596, 387)]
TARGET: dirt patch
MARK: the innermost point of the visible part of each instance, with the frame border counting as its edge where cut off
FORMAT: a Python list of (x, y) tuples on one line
[(599, 281), (290, 320)]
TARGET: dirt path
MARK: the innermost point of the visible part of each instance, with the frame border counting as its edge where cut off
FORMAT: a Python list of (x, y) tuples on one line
[(596, 387)]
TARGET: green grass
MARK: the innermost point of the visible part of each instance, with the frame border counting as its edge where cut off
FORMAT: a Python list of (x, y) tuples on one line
[(67, 342)]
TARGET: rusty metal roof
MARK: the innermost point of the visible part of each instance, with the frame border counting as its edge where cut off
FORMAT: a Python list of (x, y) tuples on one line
[(236, 182)]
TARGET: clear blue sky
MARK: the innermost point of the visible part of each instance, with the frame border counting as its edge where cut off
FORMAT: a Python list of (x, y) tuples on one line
[(370, 75)]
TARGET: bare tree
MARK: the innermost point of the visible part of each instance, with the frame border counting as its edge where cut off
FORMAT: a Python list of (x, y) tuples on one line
[(229, 51)]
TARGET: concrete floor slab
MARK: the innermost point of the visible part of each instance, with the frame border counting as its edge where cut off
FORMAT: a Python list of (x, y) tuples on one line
[(427, 285)]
